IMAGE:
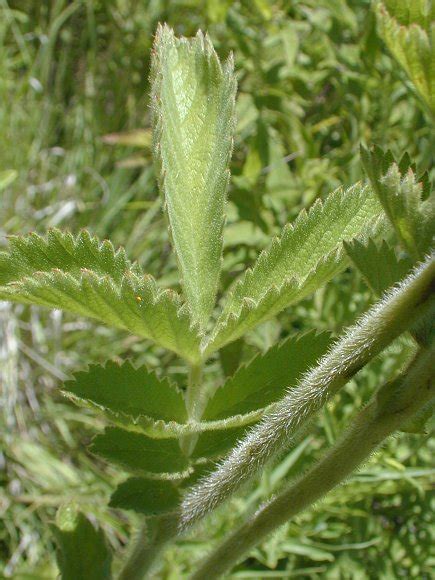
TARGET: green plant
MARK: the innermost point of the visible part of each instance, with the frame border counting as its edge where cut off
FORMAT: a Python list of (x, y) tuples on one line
[(169, 437), (408, 30)]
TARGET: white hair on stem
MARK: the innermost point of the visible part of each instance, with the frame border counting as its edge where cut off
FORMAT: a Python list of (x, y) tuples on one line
[(401, 308)]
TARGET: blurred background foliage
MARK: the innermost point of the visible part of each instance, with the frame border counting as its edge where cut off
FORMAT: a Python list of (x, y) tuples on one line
[(315, 81)]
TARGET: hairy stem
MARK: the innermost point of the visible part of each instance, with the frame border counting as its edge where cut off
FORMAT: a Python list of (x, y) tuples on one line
[(401, 309), (389, 409), (150, 541)]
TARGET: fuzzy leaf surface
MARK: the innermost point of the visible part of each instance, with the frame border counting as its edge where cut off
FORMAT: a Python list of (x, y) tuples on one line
[(378, 264), (138, 453), (193, 104), (412, 218), (133, 392), (306, 255), (410, 209), (82, 275), (266, 377), (150, 497), (82, 551)]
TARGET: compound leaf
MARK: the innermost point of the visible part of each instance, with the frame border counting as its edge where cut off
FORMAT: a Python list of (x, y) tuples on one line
[(306, 255), (133, 392), (193, 104), (151, 497), (82, 550), (88, 277), (138, 453), (266, 377)]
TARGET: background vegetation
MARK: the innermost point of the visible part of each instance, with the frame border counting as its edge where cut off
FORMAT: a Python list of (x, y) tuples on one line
[(315, 81)]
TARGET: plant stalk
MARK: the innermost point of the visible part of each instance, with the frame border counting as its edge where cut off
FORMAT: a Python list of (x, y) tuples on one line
[(148, 545), (193, 393), (401, 309), (394, 404)]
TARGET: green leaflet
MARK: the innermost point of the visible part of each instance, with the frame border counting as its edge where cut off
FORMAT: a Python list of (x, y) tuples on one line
[(230, 357), (82, 550), (62, 251), (378, 264), (138, 453), (407, 12), (402, 194), (407, 27), (214, 444), (133, 392), (150, 497), (412, 219), (193, 104), (160, 429), (88, 277), (306, 255), (266, 377)]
